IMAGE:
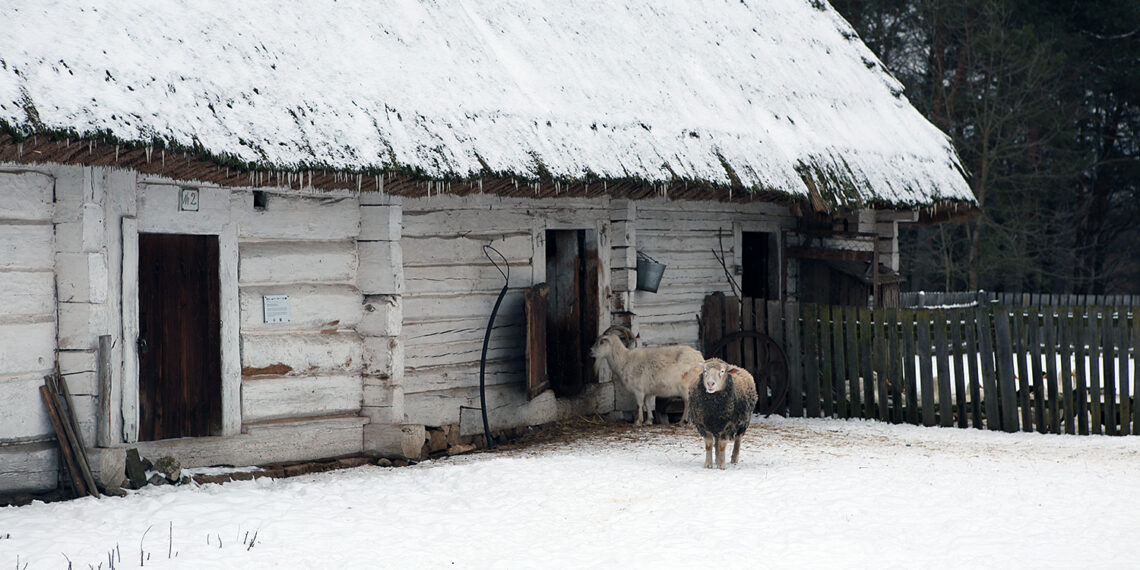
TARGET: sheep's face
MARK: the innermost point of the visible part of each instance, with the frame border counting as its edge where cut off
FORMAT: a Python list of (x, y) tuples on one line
[(714, 377)]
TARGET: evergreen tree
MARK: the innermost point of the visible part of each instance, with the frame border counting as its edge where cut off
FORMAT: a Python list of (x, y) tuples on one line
[(1040, 99)]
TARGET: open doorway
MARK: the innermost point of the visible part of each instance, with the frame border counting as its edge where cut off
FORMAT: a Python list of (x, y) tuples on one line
[(760, 275), (572, 312), (179, 344)]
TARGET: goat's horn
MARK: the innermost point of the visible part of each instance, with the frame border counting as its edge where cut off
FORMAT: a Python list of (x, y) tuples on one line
[(623, 331)]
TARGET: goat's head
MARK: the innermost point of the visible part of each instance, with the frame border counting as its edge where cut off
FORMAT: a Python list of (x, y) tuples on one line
[(608, 343), (616, 332), (716, 375)]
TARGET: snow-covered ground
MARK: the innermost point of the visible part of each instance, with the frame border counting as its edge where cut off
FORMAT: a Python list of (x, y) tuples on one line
[(807, 493)]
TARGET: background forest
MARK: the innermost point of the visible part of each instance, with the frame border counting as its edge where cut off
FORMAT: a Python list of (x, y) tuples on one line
[(1042, 100)]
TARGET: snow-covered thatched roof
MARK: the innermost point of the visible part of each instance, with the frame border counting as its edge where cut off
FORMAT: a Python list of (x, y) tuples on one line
[(769, 96)]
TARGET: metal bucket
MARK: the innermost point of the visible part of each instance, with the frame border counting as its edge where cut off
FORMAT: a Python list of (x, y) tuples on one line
[(649, 273)]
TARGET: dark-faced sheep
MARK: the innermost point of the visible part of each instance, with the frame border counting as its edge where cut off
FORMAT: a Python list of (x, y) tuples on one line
[(720, 406), (646, 372)]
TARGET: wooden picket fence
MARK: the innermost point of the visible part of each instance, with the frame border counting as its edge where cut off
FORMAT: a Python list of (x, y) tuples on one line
[(932, 299), (1061, 369)]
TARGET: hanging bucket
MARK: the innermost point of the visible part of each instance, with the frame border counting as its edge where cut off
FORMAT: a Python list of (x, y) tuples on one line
[(649, 273)]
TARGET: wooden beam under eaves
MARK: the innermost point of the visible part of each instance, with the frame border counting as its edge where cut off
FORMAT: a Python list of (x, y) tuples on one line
[(832, 254)]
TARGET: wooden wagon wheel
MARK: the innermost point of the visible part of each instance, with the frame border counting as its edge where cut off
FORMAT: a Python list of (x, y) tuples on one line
[(771, 373)]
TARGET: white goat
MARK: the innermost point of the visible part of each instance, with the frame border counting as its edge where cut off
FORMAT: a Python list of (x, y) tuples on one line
[(646, 372)]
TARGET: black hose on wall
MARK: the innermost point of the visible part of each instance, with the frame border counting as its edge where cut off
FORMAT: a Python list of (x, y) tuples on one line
[(487, 341)]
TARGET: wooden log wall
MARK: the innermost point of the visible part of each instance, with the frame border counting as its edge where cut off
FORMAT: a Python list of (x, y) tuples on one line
[(450, 288), (303, 247), (27, 328), (687, 238)]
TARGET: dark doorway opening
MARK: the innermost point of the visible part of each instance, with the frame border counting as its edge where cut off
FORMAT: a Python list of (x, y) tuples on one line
[(759, 275), (572, 314), (179, 345)]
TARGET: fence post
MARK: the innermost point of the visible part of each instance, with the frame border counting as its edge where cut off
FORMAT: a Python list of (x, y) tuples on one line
[(989, 376), (1125, 392), (775, 316), (973, 352), (1053, 409), (1067, 372), (945, 400), (907, 319), (811, 359), (1081, 394), (1004, 360), (1107, 356), (1040, 402), (894, 365), (795, 360), (926, 376), (850, 315), (839, 364), (712, 325), (866, 353), (959, 367), (1136, 365), (732, 310), (826, 389), (1106, 360), (879, 353)]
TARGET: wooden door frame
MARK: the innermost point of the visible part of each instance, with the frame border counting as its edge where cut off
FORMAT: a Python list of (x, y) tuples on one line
[(777, 258), (152, 220), (589, 223)]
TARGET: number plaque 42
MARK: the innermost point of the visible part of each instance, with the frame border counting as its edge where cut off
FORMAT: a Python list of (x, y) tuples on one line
[(188, 201)]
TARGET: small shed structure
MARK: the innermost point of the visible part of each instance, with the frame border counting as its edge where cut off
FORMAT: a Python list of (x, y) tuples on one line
[(276, 217)]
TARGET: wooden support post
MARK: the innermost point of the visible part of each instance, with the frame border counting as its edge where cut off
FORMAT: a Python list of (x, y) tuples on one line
[(103, 430)]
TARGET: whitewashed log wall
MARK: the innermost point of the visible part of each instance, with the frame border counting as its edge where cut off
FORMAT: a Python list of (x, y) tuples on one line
[(27, 328), (303, 247)]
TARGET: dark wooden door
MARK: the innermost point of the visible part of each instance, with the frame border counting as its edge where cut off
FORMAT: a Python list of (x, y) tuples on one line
[(572, 313), (179, 345), (537, 299)]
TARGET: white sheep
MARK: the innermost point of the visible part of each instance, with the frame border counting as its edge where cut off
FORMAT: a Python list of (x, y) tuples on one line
[(721, 406), (646, 372)]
